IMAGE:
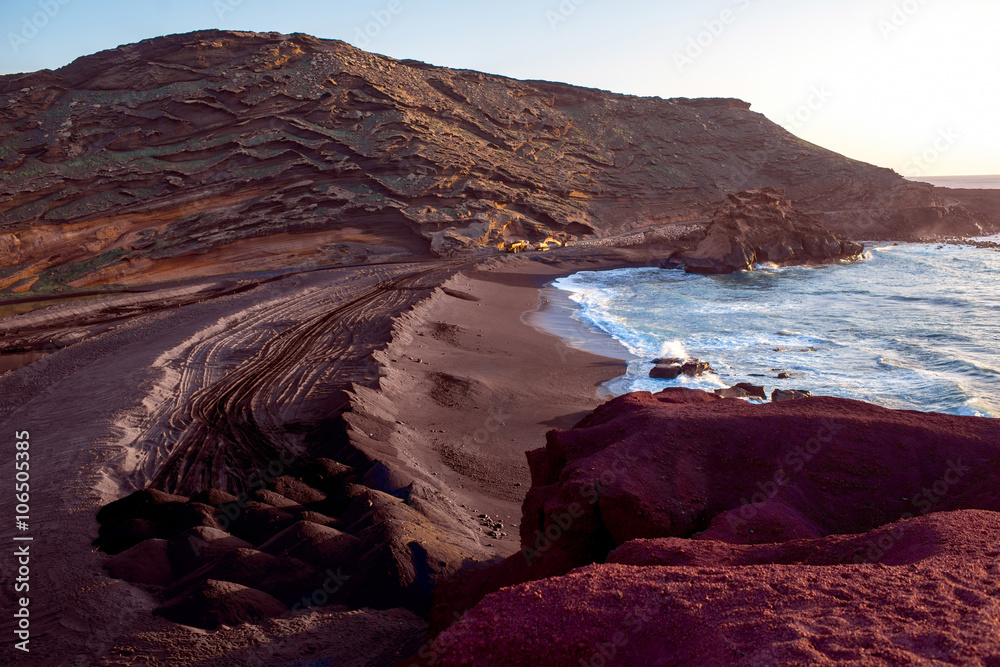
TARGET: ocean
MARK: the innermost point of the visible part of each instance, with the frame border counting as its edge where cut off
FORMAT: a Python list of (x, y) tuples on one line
[(961, 182), (911, 326)]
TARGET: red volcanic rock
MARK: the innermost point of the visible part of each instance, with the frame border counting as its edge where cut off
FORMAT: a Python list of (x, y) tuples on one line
[(761, 226), (685, 463), (931, 598)]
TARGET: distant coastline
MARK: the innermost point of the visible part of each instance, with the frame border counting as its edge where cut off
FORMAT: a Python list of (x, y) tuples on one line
[(960, 182)]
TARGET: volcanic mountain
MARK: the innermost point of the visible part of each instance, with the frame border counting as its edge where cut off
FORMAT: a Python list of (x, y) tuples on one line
[(221, 152)]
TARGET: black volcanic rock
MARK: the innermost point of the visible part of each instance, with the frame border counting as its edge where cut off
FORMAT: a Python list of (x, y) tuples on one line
[(221, 602)]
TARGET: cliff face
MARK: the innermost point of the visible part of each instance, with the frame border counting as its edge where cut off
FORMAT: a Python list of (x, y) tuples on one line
[(761, 226), (215, 152), (719, 508)]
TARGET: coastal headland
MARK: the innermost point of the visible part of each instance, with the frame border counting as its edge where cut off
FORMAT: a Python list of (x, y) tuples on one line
[(270, 344)]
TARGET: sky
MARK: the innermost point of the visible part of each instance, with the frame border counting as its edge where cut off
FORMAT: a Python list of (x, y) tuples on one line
[(905, 84)]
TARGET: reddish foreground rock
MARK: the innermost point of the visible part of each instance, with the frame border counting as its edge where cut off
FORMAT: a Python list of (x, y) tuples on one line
[(934, 599), (715, 474)]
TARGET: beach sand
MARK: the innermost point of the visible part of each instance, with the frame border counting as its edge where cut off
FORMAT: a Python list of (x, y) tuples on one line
[(484, 387), (476, 386)]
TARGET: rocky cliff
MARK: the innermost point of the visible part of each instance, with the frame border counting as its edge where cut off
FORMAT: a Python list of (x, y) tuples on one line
[(219, 152), (761, 226), (731, 530)]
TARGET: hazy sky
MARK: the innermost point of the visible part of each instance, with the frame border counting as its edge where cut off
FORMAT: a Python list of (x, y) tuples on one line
[(907, 84)]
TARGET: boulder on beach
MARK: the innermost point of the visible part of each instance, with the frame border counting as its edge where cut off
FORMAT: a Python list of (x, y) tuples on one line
[(669, 369), (694, 368), (732, 392), (752, 390), (665, 371)]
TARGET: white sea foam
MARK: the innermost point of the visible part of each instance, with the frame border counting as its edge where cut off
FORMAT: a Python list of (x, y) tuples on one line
[(672, 349), (911, 328)]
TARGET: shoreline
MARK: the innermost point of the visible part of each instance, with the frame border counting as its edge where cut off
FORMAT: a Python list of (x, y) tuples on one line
[(82, 425), (468, 378), (473, 411), (562, 317)]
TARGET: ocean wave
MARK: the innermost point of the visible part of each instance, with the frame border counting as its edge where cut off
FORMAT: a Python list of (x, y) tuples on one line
[(899, 330)]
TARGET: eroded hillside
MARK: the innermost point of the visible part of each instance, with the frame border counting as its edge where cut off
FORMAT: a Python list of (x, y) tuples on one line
[(224, 152)]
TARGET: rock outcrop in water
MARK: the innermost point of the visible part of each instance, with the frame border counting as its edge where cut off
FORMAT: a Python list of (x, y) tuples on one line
[(219, 152), (725, 484), (762, 226)]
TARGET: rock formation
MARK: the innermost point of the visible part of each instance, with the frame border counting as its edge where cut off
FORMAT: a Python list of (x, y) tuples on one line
[(669, 369), (761, 226), (218, 152), (918, 591), (713, 473), (780, 395)]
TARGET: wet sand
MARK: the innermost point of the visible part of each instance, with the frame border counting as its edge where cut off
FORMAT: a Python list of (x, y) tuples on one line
[(484, 387)]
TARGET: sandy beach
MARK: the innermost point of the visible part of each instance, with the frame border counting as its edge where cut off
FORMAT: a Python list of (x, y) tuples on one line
[(484, 387), (473, 386)]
